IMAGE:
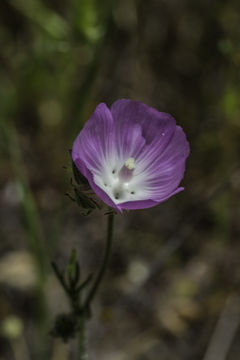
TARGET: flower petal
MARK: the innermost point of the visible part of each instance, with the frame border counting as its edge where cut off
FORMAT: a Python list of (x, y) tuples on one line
[(129, 141), (95, 141), (144, 204), (162, 176), (140, 204), (155, 126)]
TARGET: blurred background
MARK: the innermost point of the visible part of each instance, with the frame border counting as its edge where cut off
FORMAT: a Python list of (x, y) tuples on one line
[(172, 290)]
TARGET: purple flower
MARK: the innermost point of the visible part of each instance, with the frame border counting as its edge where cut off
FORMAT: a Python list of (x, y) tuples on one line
[(132, 155)]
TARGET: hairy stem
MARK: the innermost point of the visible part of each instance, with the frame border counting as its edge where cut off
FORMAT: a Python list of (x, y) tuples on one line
[(103, 267)]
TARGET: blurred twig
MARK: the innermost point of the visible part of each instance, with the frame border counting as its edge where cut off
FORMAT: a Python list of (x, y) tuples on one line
[(81, 92), (20, 349), (35, 235), (225, 330), (52, 23)]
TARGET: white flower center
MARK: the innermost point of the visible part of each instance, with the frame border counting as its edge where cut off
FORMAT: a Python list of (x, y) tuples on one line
[(117, 182)]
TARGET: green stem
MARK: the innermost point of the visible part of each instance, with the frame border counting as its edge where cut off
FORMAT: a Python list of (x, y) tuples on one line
[(82, 354), (81, 312), (104, 263)]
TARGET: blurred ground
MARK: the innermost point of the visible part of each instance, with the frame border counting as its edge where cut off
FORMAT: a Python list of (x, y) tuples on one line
[(172, 288)]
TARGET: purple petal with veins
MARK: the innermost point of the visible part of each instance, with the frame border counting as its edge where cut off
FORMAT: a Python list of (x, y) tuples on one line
[(132, 155)]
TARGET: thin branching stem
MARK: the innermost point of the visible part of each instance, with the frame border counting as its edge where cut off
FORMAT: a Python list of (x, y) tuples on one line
[(103, 267)]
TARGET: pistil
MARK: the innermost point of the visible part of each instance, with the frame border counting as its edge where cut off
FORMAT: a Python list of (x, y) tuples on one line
[(126, 172)]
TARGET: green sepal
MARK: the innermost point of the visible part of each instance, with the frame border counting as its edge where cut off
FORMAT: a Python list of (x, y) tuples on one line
[(78, 177), (84, 201)]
